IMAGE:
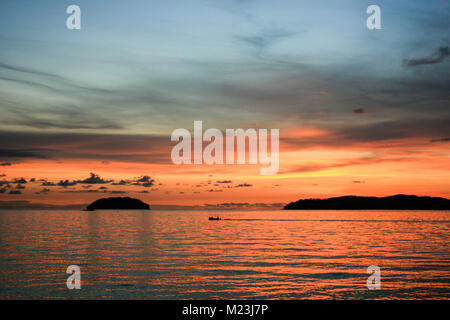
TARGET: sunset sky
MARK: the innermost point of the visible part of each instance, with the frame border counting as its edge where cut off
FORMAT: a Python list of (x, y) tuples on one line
[(89, 113)]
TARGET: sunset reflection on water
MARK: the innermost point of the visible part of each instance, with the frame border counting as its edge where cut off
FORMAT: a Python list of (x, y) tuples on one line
[(248, 255)]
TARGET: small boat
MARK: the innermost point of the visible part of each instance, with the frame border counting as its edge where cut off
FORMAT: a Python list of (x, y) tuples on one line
[(215, 218)]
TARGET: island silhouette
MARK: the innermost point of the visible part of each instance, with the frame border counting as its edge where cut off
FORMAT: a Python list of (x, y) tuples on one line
[(397, 202), (118, 203)]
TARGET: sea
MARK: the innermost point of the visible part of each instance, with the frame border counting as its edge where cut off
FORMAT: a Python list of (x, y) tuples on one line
[(246, 255)]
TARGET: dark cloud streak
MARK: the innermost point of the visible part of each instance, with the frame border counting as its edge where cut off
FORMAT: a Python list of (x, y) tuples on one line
[(438, 56)]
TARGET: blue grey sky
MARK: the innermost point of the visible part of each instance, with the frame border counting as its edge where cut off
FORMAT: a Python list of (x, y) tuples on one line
[(148, 67)]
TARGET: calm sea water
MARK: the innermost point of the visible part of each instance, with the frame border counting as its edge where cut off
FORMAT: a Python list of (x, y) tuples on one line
[(254, 255)]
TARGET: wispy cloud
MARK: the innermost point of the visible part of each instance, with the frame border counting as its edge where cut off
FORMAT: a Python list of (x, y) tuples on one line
[(266, 38), (145, 181), (21, 153), (20, 146), (440, 140), (359, 111), (94, 179), (438, 56)]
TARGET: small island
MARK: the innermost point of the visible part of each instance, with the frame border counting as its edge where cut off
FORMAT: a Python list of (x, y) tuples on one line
[(118, 203), (397, 202)]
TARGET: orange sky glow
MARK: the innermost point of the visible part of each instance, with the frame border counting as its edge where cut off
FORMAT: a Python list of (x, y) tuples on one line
[(411, 166)]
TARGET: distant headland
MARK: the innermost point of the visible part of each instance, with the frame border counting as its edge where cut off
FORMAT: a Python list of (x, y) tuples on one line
[(118, 203), (397, 202)]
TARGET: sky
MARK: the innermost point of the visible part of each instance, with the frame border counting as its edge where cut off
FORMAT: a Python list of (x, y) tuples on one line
[(89, 113)]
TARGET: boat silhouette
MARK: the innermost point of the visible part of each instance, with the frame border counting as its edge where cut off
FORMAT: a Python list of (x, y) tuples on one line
[(215, 218)]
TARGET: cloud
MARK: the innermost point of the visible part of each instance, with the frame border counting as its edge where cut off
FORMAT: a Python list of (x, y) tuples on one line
[(440, 140), (120, 183), (48, 184), (243, 185), (147, 184), (43, 191), (21, 180), (4, 182), (55, 82), (224, 181), (380, 131), (265, 38), (395, 129), (29, 71), (5, 164), (84, 191), (438, 56), (2, 190), (86, 184), (65, 123), (88, 111), (20, 153), (359, 111), (94, 179), (104, 147), (66, 183), (30, 83), (345, 163), (144, 181), (15, 192)]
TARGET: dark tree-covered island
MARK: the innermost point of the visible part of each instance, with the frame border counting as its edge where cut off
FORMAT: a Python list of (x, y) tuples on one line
[(397, 202), (118, 203)]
